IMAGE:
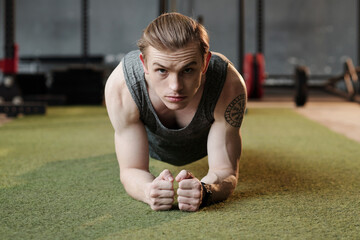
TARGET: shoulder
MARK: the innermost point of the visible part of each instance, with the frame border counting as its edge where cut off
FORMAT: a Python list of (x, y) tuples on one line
[(121, 108), (234, 83), (233, 98)]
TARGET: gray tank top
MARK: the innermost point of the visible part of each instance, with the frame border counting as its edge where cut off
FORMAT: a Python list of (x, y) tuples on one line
[(176, 146)]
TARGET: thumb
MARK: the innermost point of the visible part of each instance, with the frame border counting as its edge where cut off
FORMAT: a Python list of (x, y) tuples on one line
[(184, 174), (165, 175)]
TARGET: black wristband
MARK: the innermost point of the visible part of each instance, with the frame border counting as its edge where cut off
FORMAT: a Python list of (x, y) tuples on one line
[(206, 195)]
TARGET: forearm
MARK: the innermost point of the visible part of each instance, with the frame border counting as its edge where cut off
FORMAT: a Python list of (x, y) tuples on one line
[(133, 157), (136, 182), (224, 156)]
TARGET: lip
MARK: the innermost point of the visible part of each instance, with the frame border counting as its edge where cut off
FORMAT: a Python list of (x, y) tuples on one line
[(175, 99)]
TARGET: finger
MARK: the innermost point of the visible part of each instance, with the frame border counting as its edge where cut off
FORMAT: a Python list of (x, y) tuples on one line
[(187, 207), (166, 175), (190, 184), (183, 175), (155, 193), (163, 185), (161, 207), (189, 201), (161, 201), (188, 193)]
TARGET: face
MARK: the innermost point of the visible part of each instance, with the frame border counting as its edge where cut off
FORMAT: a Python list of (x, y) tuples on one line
[(174, 76)]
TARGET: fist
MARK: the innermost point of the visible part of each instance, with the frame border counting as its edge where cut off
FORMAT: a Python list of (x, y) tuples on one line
[(189, 191), (160, 192)]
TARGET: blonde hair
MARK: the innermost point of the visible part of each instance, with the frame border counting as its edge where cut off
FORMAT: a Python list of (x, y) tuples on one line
[(172, 31)]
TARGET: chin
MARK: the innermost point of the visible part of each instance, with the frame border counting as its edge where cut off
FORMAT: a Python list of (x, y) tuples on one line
[(176, 106)]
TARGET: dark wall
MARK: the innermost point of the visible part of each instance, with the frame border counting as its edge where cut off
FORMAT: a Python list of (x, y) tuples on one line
[(318, 33)]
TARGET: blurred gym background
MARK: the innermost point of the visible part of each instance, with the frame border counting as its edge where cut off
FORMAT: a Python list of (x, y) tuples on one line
[(65, 50)]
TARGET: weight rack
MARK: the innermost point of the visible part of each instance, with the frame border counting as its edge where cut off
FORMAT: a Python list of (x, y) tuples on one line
[(301, 76)]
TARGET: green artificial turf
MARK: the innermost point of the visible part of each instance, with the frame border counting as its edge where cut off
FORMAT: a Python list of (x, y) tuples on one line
[(59, 179)]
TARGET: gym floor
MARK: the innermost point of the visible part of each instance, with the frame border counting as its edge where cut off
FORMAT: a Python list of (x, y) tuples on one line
[(325, 108), (59, 178)]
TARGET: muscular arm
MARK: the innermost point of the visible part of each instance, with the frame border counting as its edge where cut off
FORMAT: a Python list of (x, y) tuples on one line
[(224, 140), (131, 147), (224, 149)]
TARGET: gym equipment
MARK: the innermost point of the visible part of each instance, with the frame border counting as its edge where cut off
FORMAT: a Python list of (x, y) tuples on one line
[(253, 65), (82, 82), (9, 65), (168, 6), (85, 28), (9, 91), (301, 89), (31, 84), (254, 74), (78, 85), (162, 6), (347, 84), (29, 108)]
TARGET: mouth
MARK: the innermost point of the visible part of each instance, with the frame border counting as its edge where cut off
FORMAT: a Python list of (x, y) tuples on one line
[(175, 99)]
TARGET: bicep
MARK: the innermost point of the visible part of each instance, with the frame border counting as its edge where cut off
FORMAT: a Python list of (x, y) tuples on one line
[(131, 147), (130, 135)]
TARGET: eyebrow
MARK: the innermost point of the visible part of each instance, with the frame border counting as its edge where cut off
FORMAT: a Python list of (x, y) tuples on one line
[(187, 65)]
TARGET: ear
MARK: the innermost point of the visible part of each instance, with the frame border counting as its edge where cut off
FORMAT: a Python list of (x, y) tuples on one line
[(144, 64), (207, 61)]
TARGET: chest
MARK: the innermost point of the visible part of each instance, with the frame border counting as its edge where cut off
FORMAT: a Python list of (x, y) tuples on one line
[(176, 119)]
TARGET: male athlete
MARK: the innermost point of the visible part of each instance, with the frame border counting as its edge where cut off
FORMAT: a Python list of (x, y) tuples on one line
[(176, 101)]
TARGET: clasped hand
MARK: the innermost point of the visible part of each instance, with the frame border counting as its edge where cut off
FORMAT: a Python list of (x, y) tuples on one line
[(160, 192)]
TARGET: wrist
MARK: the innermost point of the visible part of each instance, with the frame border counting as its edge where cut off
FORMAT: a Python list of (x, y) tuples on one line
[(147, 190), (206, 196)]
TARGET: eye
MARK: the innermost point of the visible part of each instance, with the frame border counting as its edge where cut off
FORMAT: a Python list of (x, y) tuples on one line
[(188, 70), (161, 71)]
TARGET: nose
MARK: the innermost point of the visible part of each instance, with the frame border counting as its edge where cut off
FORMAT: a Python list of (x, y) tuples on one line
[(175, 83)]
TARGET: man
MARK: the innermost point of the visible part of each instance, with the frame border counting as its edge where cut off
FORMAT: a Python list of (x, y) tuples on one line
[(177, 102)]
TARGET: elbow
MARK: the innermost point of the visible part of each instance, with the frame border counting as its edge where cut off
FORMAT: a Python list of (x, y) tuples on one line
[(123, 177), (231, 182), (125, 181), (228, 186)]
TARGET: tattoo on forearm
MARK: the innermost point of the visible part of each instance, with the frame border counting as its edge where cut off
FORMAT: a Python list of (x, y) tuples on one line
[(235, 111)]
